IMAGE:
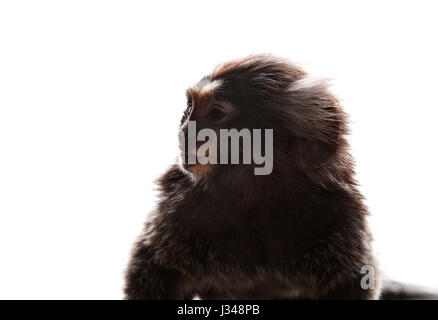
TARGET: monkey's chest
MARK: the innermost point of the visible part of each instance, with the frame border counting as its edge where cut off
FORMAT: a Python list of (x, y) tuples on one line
[(241, 285)]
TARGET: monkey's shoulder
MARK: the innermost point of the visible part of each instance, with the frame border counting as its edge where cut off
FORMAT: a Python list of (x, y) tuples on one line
[(174, 180)]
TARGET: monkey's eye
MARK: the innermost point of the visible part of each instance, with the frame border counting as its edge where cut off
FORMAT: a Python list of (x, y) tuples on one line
[(216, 113), (189, 108)]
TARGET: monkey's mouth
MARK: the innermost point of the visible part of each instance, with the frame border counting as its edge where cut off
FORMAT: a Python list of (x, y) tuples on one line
[(185, 162), (185, 165), (195, 168), (193, 158)]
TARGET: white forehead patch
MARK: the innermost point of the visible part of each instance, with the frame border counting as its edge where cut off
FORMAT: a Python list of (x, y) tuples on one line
[(208, 86)]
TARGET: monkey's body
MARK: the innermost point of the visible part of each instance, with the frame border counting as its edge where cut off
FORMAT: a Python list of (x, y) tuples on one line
[(274, 245), (299, 232)]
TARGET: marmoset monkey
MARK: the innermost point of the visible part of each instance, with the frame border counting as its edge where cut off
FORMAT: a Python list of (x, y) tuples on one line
[(220, 231)]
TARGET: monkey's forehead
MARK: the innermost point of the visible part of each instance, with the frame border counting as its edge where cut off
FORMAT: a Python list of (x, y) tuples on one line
[(260, 69), (208, 85), (205, 87)]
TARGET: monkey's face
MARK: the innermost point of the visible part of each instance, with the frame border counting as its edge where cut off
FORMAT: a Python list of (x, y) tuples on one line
[(205, 111)]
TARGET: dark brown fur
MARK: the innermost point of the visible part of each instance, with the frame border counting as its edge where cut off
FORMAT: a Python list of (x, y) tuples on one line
[(299, 232)]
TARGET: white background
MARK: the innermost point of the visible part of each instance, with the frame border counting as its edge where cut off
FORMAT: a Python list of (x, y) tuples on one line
[(91, 93)]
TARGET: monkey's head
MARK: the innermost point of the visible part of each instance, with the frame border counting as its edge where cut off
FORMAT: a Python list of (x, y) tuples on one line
[(264, 92)]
